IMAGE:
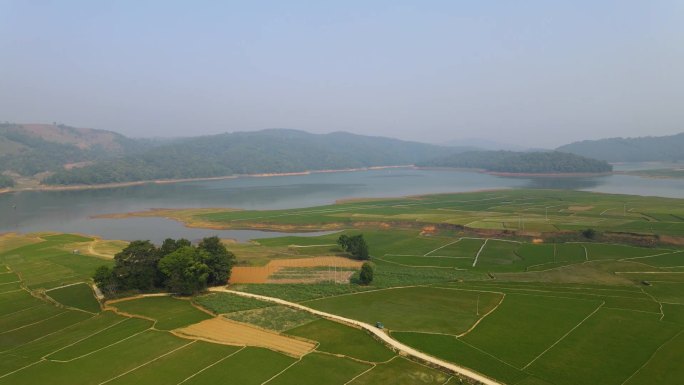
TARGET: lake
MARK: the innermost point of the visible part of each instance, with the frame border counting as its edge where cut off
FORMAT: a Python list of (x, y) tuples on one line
[(71, 211)]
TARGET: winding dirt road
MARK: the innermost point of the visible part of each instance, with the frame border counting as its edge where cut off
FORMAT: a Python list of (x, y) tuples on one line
[(377, 332)]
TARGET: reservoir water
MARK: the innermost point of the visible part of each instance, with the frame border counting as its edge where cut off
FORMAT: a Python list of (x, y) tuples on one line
[(72, 211)]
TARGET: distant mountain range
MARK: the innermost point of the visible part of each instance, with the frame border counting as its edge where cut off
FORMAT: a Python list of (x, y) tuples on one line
[(64, 155), (643, 149), (266, 151)]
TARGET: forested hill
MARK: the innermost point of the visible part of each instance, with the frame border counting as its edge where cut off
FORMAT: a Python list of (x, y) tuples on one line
[(650, 148), (521, 162), (267, 151), (28, 149)]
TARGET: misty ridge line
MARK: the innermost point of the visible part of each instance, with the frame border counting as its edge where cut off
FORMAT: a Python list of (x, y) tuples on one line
[(63, 155)]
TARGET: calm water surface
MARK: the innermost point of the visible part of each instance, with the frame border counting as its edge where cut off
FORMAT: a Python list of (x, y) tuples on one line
[(71, 211)]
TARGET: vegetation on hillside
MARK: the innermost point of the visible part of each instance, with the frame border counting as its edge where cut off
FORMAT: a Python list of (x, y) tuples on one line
[(521, 162), (267, 151), (177, 266), (32, 149), (650, 148)]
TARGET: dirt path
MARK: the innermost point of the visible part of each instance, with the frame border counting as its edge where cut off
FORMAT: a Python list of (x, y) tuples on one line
[(375, 331), (480, 251)]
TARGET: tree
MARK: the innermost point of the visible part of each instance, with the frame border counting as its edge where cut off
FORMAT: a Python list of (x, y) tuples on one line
[(219, 260), (136, 266), (589, 233), (366, 274), (170, 245), (185, 272), (354, 245), (104, 279)]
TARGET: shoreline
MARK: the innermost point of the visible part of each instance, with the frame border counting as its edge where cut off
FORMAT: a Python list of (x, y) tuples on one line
[(522, 174), (549, 174), (169, 181)]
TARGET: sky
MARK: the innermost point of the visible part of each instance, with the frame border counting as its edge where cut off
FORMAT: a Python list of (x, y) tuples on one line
[(529, 73)]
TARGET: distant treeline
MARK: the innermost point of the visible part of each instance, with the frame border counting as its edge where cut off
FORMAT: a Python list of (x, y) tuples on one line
[(6, 181), (650, 148), (267, 151), (522, 162)]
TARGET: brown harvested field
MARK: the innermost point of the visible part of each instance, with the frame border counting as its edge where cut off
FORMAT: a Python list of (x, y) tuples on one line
[(261, 274), (225, 331), (580, 208), (14, 240), (313, 277)]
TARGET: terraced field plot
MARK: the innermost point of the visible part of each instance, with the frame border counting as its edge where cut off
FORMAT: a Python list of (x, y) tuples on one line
[(410, 309), (44, 262), (78, 296)]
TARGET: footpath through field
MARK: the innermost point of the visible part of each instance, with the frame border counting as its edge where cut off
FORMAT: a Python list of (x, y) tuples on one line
[(377, 332)]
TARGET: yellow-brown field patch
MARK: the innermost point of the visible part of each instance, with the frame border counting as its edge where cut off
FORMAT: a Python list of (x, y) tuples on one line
[(260, 274), (225, 331)]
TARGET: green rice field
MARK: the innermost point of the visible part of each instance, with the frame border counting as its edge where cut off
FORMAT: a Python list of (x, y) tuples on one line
[(503, 283)]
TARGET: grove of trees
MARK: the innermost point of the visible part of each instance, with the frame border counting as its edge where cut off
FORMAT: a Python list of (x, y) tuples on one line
[(176, 266), (354, 245)]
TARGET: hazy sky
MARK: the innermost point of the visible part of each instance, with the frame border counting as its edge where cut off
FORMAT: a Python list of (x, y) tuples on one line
[(535, 73)]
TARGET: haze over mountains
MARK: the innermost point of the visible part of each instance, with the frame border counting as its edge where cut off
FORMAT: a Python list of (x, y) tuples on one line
[(643, 149), (59, 154)]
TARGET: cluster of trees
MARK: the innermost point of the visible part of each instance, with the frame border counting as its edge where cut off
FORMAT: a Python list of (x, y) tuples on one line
[(6, 181), (267, 151), (522, 162), (176, 266), (651, 148), (354, 245)]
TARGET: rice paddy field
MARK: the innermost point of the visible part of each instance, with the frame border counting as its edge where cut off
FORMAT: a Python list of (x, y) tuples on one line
[(456, 277)]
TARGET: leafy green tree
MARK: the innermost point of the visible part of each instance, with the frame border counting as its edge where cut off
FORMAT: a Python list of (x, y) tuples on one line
[(366, 274), (136, 266), (219, 260), (185, 272), (104, 279), (170, 245)]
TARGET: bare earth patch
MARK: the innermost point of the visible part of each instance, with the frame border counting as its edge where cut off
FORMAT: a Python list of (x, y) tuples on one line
[(261, 274), (225, 331), (580, 208)]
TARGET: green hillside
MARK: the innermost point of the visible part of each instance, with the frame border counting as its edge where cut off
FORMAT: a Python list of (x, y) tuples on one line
[(267, 151), (521, 162), (28, 149), (643, 149)]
